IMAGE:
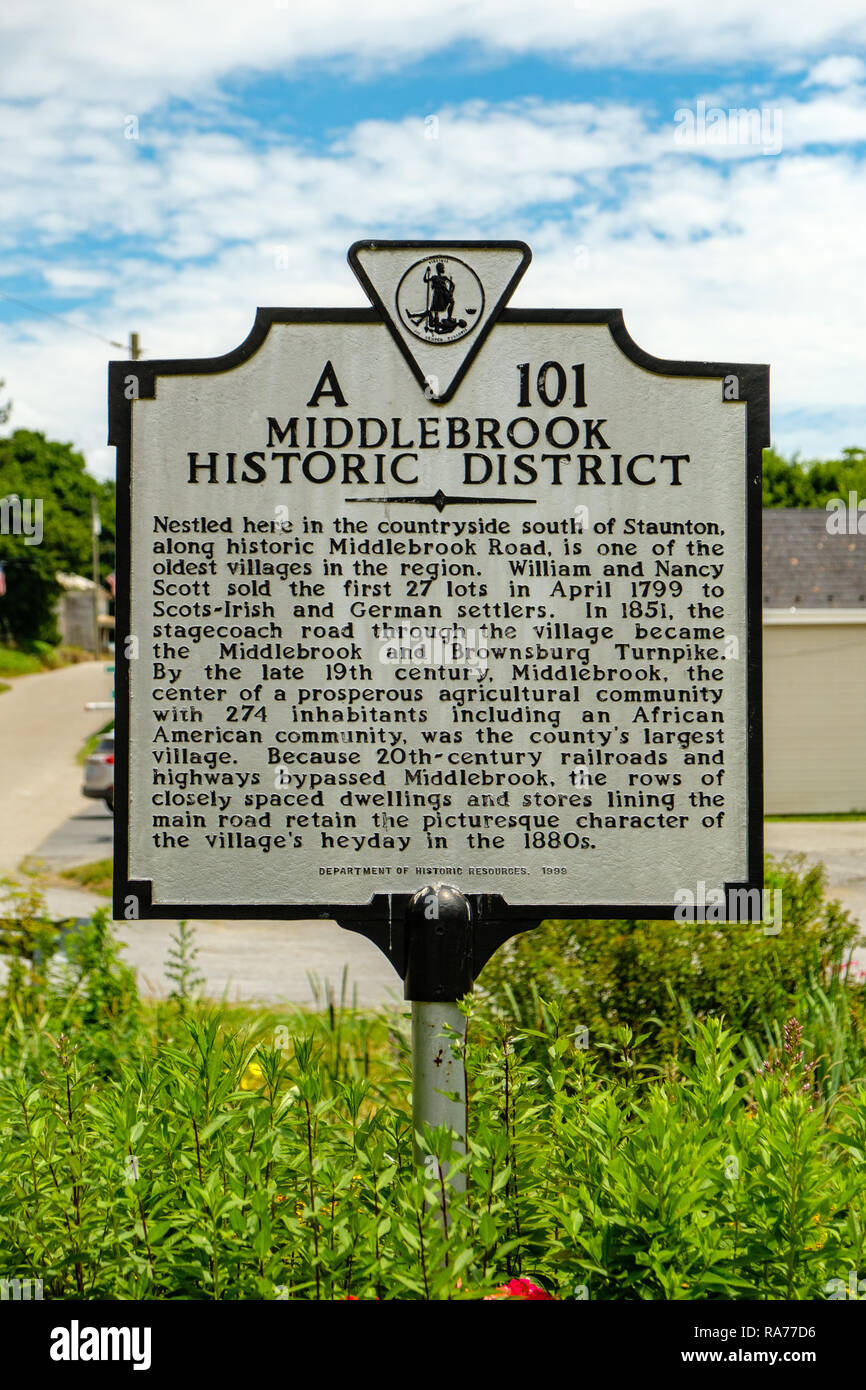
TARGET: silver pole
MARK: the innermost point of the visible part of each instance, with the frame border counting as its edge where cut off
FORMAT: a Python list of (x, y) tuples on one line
[(436, 1067), (439, 971)]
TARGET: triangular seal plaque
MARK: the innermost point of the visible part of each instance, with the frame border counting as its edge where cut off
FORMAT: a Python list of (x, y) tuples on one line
[(440, 299)]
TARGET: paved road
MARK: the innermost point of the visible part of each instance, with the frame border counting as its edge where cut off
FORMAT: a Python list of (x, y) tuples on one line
[(839, 845), (43, 723), (271, 960), (266, 962), (43, 814), (86, 836)]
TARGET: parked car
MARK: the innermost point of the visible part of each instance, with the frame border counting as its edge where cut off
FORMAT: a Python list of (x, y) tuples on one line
[(99, 772)]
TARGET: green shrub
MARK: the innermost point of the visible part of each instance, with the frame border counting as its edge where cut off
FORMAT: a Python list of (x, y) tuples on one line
[(46, 652), (15, 662), (215, 1168), (613, 973), (186, 1151), (65, 975), (30, 657)]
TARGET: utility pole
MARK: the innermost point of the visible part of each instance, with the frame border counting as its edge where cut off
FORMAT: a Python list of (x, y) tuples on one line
[(134, 349), (95, 532)]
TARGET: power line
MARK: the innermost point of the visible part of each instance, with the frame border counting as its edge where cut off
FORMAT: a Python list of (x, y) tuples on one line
[(67, 323)]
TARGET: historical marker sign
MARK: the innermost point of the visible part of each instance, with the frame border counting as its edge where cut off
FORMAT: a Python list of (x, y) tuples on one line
[(437, 589)]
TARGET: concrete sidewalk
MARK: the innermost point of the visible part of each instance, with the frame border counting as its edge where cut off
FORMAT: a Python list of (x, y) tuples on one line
[(268, 962), (839, 845), (43, 815), (43, 723), (272, 961)]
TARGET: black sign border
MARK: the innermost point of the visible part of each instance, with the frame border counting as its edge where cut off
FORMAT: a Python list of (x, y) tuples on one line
[(382, 919)]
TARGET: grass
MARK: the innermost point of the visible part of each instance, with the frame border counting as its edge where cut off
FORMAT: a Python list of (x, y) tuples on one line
[(96, 877), (822, 815), (191, 1150), (16, 663), (4, 687)]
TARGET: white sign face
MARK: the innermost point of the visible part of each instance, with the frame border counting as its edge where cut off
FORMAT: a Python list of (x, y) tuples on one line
[(439, 590)]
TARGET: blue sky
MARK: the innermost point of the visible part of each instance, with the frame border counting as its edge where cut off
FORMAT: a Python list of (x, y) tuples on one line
[(166, 169)]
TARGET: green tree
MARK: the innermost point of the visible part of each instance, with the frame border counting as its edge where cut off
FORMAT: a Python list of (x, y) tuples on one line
[(792, 483), (34, 468), (5, 410)]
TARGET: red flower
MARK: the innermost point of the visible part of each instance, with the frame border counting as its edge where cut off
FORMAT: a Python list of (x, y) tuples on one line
[(518, 1288)]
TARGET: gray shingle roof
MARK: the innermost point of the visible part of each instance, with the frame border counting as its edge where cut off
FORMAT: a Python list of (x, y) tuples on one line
[(805, 566)]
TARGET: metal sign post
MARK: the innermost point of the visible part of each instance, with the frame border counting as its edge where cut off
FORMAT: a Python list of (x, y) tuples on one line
[(438, 974)]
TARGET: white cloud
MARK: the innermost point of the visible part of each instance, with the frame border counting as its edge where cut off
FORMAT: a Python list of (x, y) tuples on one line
[(840, 70), (186, 229), (830, 120), (707, 261), (75, 279), (142, 52)]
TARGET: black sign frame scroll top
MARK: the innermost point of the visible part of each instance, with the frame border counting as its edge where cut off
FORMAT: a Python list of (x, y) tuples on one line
[(383, 919)]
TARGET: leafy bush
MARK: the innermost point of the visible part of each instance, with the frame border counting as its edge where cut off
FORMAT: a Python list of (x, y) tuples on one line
[(15, 662), (213, 1168), (29, 658), (614, 973), (62, 975), (183, 1151), (47, 654)]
